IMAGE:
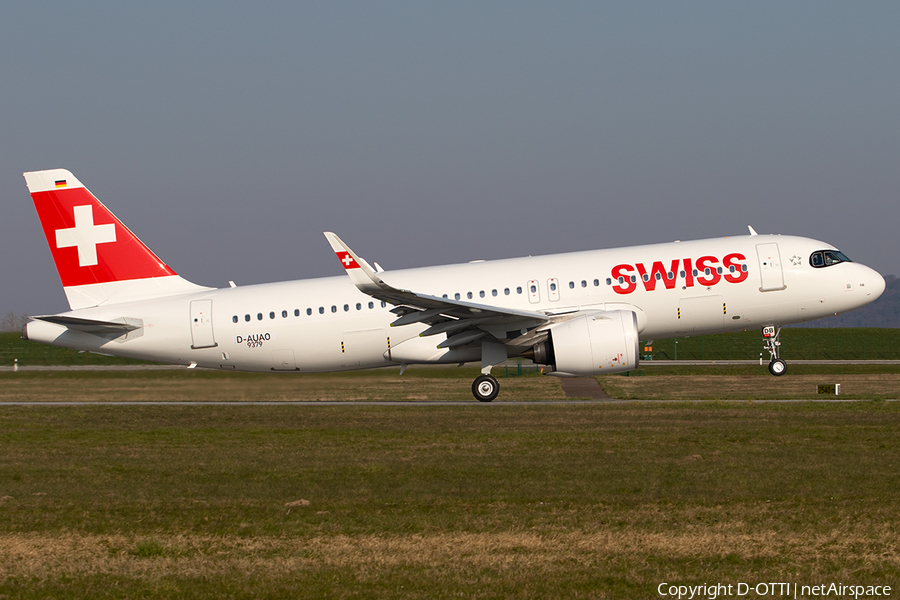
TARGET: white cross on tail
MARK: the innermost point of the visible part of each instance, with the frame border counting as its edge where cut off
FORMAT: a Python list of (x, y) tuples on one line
[(85, 235)]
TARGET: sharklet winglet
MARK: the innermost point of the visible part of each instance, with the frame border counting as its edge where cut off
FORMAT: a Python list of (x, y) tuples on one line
[(360, 272)]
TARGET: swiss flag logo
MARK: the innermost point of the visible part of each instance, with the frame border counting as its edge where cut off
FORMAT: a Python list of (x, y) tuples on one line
[(347, 260), (89, 244)]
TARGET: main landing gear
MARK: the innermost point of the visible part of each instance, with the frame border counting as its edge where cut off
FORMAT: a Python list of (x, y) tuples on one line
[(485, 388), (777, 366)]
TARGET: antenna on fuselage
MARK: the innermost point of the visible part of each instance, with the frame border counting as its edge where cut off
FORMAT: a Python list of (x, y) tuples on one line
[(752, 231)]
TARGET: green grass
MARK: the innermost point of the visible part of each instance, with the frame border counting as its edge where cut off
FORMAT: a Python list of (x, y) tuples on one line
[(486, 501)]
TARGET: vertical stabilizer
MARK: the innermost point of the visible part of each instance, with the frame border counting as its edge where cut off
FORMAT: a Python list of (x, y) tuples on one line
[(98, 259)]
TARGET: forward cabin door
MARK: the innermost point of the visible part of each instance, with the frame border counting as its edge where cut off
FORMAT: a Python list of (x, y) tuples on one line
[(201, 324), (771, 275)]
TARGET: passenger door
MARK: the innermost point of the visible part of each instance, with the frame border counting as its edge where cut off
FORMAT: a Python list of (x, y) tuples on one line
[(770, 272), (201, 325)]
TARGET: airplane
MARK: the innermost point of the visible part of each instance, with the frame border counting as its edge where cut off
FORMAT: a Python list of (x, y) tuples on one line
[(576, 314)]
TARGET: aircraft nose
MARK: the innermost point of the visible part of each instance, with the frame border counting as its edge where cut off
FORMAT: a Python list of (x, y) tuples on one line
[(874, 285), (870, 282)]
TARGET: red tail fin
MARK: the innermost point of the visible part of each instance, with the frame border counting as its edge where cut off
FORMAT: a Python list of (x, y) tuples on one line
[(95, 254)]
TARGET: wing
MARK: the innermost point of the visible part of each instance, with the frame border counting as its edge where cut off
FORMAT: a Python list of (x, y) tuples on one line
[(462, 322)]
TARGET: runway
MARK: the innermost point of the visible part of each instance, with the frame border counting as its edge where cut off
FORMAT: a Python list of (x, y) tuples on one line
[(643, 363), (419, 403)]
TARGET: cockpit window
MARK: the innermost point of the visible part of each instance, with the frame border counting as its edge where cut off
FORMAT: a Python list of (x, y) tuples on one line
[(826, 258)]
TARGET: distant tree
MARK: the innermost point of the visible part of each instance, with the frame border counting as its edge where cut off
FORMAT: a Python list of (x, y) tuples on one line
[(12, 322)]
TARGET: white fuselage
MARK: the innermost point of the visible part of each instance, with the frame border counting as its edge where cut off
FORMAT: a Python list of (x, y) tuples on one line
[(327, 324)]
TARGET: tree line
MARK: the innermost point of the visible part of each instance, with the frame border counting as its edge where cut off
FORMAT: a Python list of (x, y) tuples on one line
[(13, 322)]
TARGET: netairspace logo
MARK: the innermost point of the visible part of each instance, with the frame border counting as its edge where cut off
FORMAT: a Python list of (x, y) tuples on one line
[(771, 590)]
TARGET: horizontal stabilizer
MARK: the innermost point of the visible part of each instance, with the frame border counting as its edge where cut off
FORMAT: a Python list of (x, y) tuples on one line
[(121, 326)]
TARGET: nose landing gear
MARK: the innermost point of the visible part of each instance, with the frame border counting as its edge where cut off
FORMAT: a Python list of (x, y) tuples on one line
[(777, 366)]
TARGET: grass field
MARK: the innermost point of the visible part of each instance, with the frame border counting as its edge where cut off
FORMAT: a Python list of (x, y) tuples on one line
[(458, 501)]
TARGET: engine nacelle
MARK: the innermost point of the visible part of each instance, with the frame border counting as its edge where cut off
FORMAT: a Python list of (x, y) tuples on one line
[(592, 344)]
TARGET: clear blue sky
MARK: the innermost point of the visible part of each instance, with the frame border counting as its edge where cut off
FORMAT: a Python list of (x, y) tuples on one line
[(229, 135)]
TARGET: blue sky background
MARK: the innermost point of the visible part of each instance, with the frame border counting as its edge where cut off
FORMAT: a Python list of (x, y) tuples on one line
[(228, 136)]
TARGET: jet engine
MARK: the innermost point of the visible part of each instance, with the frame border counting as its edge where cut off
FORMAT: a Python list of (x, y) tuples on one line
[(591, 344)]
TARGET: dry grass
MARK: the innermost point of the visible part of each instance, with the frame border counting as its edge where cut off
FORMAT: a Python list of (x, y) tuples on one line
[(179, 386), (77, 555)]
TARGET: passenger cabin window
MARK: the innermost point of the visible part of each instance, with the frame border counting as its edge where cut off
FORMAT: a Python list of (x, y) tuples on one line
[(826, 258)]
